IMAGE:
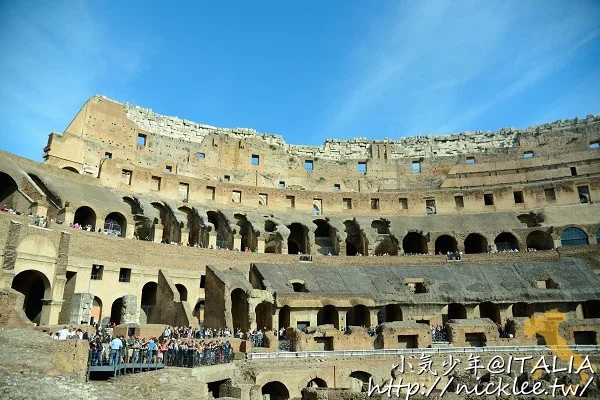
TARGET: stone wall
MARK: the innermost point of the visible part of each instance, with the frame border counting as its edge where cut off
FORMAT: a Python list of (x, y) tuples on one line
[(473, 332), (394, 335), (11, 309)]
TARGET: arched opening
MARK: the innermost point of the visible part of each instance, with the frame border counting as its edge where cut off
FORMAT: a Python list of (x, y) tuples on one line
[(361, 379), (445, 244), (317, 382), (284, 317), (273, 244), (390, 313), (414, 243), (71, 169), (325, 238), (183, 292), (33, 285), (264, 316), (591, 309), (199, 310), (239, 310), (356, 242), (388, 246), (8, 189), (522, 309), (489, 310), (85, 217), (573, 237), (275, 390), (142, 223), (358, 315), (96, 310), (506, 241), (298, 239), (116, 311), (539, 240), (454, 311), (52, 197), (249, 239), (476, 243), (224, 234), (148, 301), (115, 224), (328, 315), (382, 226)]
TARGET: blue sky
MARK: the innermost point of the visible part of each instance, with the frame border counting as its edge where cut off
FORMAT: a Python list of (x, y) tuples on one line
[(308, 70)]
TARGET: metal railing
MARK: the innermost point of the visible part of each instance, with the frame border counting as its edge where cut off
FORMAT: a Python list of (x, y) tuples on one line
[(431, 351), (194, 358)]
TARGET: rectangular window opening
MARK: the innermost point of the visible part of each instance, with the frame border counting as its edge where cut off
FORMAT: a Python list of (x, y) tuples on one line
[(374, 204), (263, 199), (550, 194), (107, 155), (97, 272), (403, 203), (200, 155), (184, 192), (281, 185), (459, 201), (518, 195), (126, 176), (573, 171), (528, 154), (210, 192), (291, 201), (416, 167), (584, 194), (430, 206), (155, 183), (226, 178), (488, 199), (125, 275), (470, 160), (141, 140), (255, 159), (236, 196), (168, 169), (347, 204), (308, 165), (362, 167), (336, 187), (202, 281), (595, 145)]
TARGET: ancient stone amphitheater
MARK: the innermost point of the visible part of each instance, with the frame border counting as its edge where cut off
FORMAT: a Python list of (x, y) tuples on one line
[(157, 220)]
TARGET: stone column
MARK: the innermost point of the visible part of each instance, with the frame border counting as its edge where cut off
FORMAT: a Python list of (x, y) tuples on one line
[(50, 310), (158, 233), (342, 249), (39, 209), (237, 242), (373, 314), (557, 243), (130, 230), (342, 318), (185, 236), (212, 239), (129, 309), (99, 225), (260, 244), (81, 308)]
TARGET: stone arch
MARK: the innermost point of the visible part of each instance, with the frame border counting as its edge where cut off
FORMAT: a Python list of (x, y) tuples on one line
[(96, 313), (390, 313), (116, 311), (85, 216), (358, 315), (356, 242), (382, 226), (522, 309), (8, 188), (453, 311), (317, 382), (275, 390), (539, 240), (487, 309), (183, 292), (573, 236), (328, 315), (171, 232), (445, 244), (591, 309), (414, 243), (115, 224), (506, 241), (249, 238), (71, 169), (325, 238), (284, 317), (192, 224), (476, 243), (35, 286), (239, 309), (387, 245), (148, 301), (199, 310), (362, 378), (298, 239), (224, 233), (142, 224), (264, 316)]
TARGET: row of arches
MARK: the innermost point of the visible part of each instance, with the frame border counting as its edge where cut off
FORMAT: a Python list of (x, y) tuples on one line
[(115, 223)]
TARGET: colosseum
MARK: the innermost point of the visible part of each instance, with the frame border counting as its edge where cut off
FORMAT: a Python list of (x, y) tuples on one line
[(140, 221)]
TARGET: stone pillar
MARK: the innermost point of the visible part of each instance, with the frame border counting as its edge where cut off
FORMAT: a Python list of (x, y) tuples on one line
[(50, 310), (342, 318), (129, 309), (81, 308), (237, 242), (493, 247), (373, 314), (66, 215), (39, 209), (260, 245), (99, 225), (130, 230), (342, 249), (158, 233), (212, 239), (185, 236), (557, 243)]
